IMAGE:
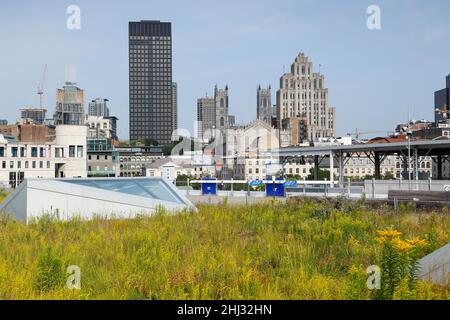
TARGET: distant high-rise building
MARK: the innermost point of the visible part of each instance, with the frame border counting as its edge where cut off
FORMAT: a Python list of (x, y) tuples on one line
[(150, 81), (98, 108), (264, 109), (69, 105), (36, 115), (3, 122), (206, 115), (174, 106), (303, 94), (442, 103)]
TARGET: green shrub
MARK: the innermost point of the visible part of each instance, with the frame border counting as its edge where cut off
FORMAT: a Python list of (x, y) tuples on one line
[(50, 273)]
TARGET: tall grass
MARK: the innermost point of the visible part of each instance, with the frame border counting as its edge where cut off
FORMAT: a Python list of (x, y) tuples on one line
[(298, 250)]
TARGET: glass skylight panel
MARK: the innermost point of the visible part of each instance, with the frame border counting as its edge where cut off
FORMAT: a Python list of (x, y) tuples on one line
[(150, 188)]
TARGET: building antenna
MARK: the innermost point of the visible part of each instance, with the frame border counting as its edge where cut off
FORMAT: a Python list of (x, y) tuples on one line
[(320, 66)]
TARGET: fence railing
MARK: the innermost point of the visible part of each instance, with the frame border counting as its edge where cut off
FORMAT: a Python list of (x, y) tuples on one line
[(372, 189)]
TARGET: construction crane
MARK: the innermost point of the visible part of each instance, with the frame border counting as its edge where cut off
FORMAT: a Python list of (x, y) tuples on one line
[(40, 89), (357, 133)]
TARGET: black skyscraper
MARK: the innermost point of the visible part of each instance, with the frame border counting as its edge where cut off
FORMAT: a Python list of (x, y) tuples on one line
[(442, 102), (150, 67)]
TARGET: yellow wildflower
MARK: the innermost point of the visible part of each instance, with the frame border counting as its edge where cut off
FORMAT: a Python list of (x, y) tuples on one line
[(417, 242), (354, 243), (387, 236), (389, 233), (353, 269), (402, 245)]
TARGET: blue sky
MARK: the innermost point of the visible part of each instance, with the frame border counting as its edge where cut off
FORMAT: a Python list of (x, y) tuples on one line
[(372, 76)]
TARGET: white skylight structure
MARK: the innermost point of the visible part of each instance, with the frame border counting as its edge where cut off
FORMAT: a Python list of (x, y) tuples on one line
[(88, 198)]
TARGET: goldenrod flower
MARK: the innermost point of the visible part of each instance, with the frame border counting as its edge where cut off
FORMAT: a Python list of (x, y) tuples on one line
[(402, 245), (353, 242), (417, 242), (389, 233), (353, 269)]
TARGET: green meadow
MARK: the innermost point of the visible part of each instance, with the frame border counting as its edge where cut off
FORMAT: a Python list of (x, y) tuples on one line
[(302, 249)]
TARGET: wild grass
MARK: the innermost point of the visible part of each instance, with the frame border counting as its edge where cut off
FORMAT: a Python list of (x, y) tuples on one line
[(299, 250)]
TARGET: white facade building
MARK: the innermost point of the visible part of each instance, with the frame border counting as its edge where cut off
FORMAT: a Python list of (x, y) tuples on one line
[(102, 127), (65, 157), (171, 169)]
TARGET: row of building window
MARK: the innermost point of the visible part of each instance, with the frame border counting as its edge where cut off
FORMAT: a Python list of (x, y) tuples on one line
[(26, 165)]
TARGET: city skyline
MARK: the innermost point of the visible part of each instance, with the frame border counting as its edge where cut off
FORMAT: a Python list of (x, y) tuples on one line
[(236, 52)]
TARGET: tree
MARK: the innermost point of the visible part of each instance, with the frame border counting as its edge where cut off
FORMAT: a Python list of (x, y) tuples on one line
[(323, 175), (388, 176)]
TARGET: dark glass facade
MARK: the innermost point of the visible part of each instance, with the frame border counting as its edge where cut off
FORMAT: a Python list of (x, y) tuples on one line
[(442, 102), (150, 81)]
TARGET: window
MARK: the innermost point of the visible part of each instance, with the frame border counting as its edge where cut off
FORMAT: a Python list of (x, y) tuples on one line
[(71, 151), (26, 164), (2, 151), (11, 164), (34, 152), (42, 152), (22, 152), (48, 164), (41, 164), (80, 151), (4, 165), (33, 164), (14, 152)]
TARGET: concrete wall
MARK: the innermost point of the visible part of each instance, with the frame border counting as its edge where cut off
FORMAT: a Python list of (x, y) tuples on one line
[(73, 136)]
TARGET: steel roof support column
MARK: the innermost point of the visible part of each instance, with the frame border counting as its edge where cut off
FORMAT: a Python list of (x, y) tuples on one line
[(316, 167), (416, 163), (331, 169), (439, 166), (405, 167), (341, 169), (377, 162)]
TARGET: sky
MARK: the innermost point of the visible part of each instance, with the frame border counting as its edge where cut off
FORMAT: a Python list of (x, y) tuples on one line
[(373, 76)]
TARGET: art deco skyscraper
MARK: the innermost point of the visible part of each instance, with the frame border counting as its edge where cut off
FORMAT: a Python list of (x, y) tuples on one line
[(150, 82), (303, 95)]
